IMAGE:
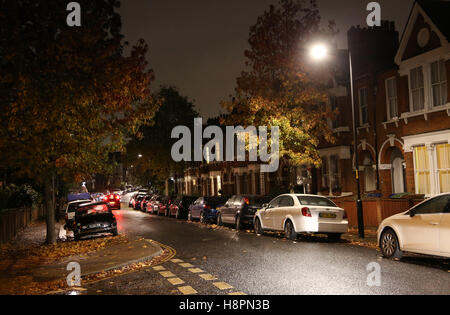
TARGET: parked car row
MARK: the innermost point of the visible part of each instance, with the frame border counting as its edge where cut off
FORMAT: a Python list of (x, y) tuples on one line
[(424, 229), (291, 213)]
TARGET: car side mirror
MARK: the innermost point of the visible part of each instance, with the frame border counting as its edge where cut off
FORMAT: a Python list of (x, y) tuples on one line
[(265, 206), (412, 213)]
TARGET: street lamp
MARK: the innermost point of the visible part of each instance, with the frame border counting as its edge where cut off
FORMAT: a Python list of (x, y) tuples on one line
[(140, 156), (319, 52)]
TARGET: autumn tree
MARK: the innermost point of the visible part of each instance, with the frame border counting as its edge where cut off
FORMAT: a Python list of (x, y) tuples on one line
[(155, 142), (68, 95), (277, 88)]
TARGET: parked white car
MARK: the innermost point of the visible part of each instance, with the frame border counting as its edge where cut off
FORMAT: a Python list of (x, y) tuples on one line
[(296, 214), (424, 229)]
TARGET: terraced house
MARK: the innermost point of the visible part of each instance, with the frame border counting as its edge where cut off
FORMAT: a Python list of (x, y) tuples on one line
[(402, 114)]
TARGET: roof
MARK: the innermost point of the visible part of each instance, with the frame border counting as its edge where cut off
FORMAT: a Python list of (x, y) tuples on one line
[(438, 12)]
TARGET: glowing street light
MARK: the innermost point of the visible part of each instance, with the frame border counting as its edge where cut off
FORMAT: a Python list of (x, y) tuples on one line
[(140, 156), (319, 52)]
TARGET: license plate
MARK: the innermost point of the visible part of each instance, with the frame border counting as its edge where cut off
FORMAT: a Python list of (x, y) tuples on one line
[(328, 215), (112, 203)]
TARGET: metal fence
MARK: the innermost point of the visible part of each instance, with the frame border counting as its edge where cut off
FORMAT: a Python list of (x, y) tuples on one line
[(12, 221)]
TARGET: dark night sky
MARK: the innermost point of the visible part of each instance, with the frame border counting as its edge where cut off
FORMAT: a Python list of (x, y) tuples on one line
[(198, 45)]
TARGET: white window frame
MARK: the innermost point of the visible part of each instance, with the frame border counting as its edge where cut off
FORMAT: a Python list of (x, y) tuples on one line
[(436, 169), (439, 83), (424, 87), (361, 122), (388, 98)]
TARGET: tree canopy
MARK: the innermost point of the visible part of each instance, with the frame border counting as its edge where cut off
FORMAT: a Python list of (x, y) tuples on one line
[(277, 89), (68, 95), (155, 141)]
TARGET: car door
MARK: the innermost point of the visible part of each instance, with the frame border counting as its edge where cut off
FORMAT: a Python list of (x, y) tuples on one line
[(226, 210), (280, 213), (196, 208), (444, 231), (420, 233), (268, 213)]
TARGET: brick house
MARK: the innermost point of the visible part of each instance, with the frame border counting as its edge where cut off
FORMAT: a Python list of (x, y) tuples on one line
[(403, 119)]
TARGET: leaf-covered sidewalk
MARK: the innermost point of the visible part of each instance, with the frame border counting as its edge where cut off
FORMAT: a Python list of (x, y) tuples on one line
[(28, 266)]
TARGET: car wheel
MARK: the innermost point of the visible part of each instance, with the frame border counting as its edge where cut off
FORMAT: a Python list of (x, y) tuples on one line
[(115, 233), (219, 220), (389, 245), (289, 231), (334, 236), (238, 223), (76, 237), (258, 228)]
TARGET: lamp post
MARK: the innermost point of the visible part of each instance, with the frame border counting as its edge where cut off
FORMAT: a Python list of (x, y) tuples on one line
[(319, 52)]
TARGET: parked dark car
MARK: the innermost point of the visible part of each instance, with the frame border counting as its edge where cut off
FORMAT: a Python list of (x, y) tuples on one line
[(113, 201), (180, 207), (204, 209), (240, 210), (94, 218)]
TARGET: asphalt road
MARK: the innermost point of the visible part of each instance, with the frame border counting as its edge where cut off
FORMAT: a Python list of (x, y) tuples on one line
[(242, 262)]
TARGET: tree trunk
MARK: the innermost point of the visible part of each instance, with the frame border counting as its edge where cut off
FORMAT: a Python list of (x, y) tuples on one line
[(50, 211)]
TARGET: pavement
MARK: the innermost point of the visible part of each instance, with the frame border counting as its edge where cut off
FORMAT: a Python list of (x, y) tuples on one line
[(213, 260), (112, 257)]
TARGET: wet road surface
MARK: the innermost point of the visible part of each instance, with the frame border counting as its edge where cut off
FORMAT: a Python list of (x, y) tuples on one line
[(222, 261)]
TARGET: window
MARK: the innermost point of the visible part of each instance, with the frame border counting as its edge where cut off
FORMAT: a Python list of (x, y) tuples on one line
[(334, 106), (325, 175), (334, 172), (363, 107), (435, 205), (417, 89), (391, 96), (443, 166), (274, 203), (286, 201), (422, 170), (439, 83), (315, 201)]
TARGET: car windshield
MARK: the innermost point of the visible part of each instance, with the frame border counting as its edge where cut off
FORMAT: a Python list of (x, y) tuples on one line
[(73, 206), (215, 201), (258, 201), (315, 201), (92, 209)]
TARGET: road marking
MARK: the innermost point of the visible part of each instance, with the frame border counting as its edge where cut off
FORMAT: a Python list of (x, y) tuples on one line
[(187, 265), (167, 274), (187, 290), (208, 277), (159, 268), (196, 270), (222, 285), (175, 281), (237, 293), (176, 261)]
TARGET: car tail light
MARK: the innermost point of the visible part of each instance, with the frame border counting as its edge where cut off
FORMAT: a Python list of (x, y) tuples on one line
[(246, 201), (207, 206), (306, 212), (117, 197)]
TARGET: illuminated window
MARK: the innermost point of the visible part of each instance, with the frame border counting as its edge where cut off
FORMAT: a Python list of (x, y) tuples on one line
[(422, 170), (443, 166), (439, 83)]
